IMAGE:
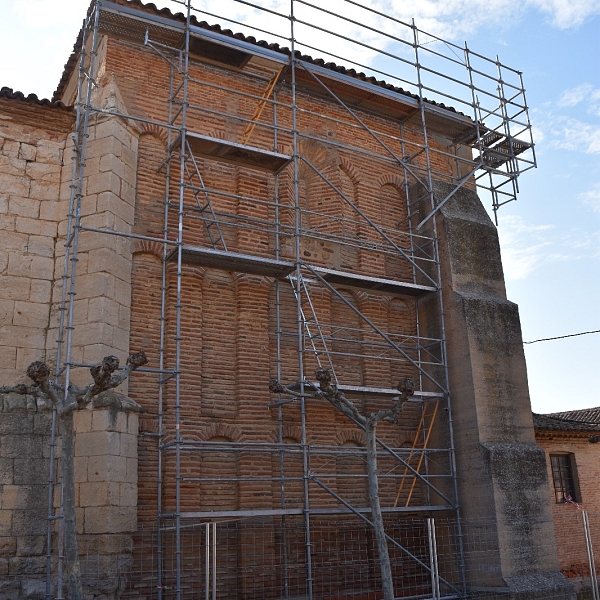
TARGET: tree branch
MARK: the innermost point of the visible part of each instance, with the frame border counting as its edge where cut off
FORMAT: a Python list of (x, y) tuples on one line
[(39, 373), (76, 397), (104, 378)]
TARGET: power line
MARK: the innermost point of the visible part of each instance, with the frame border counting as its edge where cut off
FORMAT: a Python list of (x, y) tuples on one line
[(560, 337)]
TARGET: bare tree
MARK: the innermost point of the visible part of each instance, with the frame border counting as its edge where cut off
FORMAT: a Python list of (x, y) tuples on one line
[(330, 392), (67, 401)]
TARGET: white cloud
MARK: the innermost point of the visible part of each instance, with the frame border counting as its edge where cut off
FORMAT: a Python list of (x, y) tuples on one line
[(575, 95), (557, 131), (524, 247), (586, 94), (567, 13), (527, 247), (573, 134), (591, 198)]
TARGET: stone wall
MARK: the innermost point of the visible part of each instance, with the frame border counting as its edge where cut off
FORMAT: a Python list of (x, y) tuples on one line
[(106, 495), (502, 481), (24, 465), (32, 148), (106, 476)]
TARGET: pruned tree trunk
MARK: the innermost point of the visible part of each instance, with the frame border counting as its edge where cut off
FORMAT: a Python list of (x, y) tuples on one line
[(387, 584), (337, 398), (70, 526)]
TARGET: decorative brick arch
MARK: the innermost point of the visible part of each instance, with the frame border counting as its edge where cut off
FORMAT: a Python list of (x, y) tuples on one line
[(391, 179), (193, 271), (154, 130), (392, 301), (315, 152), (351, 170), (147, 247), (231, 432), (251, 279), (288, 431), (218, 134), (293, 432), (350, 435)]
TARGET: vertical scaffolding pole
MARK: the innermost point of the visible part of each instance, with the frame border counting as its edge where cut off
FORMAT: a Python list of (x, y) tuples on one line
[(433, 560), (300, 323), (162, 379), (590, 554), (85, 84), (177, 366), (76, 159), (440, 299)]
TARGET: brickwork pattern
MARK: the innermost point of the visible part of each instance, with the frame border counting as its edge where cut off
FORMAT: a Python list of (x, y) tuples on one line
[(568, 524)]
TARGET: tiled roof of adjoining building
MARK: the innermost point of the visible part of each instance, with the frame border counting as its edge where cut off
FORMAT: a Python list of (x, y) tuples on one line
[(575, 420), (10, 94), (585, 415)]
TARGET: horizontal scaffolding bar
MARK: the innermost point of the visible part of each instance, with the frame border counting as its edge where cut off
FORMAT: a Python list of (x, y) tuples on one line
[(223, 514)]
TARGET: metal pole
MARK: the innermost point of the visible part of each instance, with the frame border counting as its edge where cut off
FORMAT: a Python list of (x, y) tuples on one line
[(433, 560), (590, 553), (441, 309), (214, 560), (207, 562), (161, 355), (300, 324), (62, 310), (182, 174)]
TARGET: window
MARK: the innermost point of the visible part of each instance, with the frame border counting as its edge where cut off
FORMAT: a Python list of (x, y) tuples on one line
[(564, 477)]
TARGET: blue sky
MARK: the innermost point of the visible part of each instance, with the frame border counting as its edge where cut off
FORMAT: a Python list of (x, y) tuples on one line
[(550, 237)]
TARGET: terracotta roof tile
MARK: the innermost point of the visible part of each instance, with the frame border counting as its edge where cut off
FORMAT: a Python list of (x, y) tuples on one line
[(8, 93), (564, 422), (585, 415)]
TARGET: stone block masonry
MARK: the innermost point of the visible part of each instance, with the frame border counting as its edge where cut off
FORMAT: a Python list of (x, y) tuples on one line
[(32, 158), (24, 451), (106, 493), (106, 490)]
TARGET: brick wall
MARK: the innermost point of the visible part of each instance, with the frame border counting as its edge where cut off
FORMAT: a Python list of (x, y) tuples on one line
[(228, 324), (568, 522)]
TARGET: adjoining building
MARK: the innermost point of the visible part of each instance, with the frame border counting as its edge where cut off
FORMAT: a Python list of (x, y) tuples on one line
[(570, 440), (245, 212)]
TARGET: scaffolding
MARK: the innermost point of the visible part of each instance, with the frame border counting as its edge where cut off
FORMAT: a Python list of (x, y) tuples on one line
[(287, 108)]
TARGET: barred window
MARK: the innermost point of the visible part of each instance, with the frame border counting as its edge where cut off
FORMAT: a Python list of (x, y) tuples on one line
[(564, 477)]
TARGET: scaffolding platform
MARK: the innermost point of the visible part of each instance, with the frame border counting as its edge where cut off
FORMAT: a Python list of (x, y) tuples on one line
[(496, 148), (504, 151), (418, 396), (203, 146), (374, 283), (232, 261)]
